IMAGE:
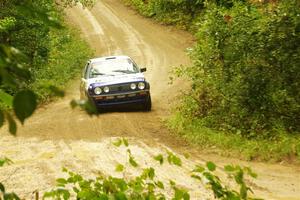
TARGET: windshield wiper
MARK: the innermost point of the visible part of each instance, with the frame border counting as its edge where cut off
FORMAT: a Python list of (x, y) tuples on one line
[(123, 71)]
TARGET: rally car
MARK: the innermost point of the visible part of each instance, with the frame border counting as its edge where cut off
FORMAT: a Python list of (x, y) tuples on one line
[(114, 81)]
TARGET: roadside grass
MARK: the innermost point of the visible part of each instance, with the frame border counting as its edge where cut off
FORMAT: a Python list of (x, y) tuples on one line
[(67, 57), (282, 148)]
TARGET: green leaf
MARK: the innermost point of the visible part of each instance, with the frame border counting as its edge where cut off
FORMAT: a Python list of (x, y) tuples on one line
[(118, 142), (181, 194), (250, 172), (211, 166), (1, 118), (66, 194), (11, 196), (173, 159), (177, 161), (133, 162), (121, 183), (186, 196), (150, 187), (239, 177), (199, 169), (24, 104), (5, 161), (12, 126), (125, 142), (196, 177), (229, 168), (151, 173), (159, 158), (172, 183), (160, 184), (243, 191), (6, 98), (61, 181), (119, 168), (75, 189), (2, 188)]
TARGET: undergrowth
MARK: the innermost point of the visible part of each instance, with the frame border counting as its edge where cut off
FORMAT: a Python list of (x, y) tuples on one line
[(283, 147), (244, 93), (67, 56)]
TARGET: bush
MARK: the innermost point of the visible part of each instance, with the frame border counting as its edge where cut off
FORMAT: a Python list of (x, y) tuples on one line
[(244, 77), (182, 13), (246, 71), (67, 55), (48, 49)]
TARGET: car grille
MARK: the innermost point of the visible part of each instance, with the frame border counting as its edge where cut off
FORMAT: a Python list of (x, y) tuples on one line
[(120, 88)]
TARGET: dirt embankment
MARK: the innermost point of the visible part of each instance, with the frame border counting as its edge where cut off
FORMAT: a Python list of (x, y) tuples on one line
[(57, 136)]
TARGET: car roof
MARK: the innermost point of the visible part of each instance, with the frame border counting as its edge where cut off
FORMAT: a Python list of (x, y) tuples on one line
[(108, 58)]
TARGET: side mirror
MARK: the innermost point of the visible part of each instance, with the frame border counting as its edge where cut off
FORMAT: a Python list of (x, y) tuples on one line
[(143, 69)]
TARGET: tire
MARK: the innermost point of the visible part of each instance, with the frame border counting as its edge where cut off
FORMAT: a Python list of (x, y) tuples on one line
[(147, 105)]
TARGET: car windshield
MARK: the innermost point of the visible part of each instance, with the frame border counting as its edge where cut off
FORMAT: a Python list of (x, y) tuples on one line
[(112, 67)]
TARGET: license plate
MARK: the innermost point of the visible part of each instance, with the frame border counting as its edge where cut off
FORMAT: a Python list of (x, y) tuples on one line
[(121, 96)]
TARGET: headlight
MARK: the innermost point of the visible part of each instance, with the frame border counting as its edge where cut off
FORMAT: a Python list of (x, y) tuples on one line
[(133, 86), (141, 85), (106, 89), (97, 90)]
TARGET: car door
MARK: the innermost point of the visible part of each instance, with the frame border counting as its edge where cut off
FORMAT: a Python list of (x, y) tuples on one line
[(84, 81)]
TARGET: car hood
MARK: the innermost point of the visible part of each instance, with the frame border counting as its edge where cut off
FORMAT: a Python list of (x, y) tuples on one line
[(116, 79)]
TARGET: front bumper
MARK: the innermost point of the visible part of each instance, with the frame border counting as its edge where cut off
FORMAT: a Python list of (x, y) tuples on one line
[(128, 98)]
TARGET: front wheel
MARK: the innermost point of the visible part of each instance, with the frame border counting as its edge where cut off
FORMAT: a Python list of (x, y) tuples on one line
[(148, 104)]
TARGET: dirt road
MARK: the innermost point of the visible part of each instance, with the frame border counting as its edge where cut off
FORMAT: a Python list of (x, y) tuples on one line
[(57, 136)]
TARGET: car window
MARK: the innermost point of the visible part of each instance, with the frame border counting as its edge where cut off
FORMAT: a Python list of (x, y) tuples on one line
[(112, 67)]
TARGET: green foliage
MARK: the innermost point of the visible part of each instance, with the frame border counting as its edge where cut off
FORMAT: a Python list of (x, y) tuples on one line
[(121, 141), (245, 74), (4, 161), (283, 146), (141, 187), (24, 104), (224, 192), (147, 186), (159, 158), (131, 159), (37, 56), (182, 13), (246, 69), (7, 23), (173, 159), (32, 47), (119, 168)]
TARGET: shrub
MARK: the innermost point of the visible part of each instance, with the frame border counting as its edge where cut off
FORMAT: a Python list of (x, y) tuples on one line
[(246, 71)]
